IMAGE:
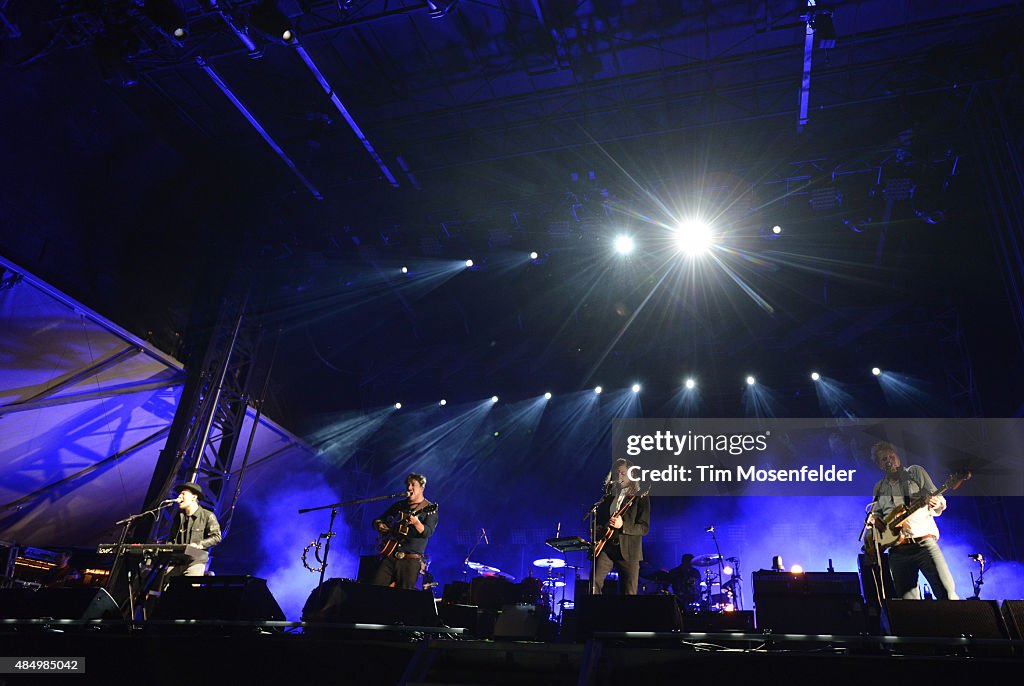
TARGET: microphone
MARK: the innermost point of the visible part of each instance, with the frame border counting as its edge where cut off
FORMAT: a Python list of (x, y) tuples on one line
[(484, 532), (168, 502), (558, 530), (977, 557), (398, 495), (710, 529)]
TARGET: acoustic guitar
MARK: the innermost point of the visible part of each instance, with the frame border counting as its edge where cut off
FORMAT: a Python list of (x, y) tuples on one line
[(398, 530)]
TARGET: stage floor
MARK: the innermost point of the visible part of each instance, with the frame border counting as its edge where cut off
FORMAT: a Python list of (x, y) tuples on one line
[(285, 652)]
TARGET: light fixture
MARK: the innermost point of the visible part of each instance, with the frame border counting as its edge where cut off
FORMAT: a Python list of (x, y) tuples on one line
[(690, 384), (534, 255), (494, 398), (598, 390), (751, 381), (693, 237), (398, 406), (268, 19), (469, 263), (876, 371), (624, 244), (636, 388), (443, 402), (815, 376), (405, 270), (547, 396)]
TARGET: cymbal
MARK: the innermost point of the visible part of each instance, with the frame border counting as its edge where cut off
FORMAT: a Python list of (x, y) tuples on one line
[(552, 562), (482, 568), (553, 583), (706, 560)]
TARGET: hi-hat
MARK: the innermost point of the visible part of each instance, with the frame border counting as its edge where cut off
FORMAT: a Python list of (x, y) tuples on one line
[(706, 560), (482, 569), (553, 582), (550, 562)]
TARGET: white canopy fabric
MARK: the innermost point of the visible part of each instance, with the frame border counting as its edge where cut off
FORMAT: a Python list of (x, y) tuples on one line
[(85, 408)]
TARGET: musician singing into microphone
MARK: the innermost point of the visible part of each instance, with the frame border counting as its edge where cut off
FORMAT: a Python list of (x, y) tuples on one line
[(196, 527), (407, 525), (624, 549)]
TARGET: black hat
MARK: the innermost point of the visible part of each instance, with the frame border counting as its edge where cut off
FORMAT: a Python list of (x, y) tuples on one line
[(195, 488)]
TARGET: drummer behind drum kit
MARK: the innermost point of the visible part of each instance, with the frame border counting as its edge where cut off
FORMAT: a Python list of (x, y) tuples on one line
[(704, 598)]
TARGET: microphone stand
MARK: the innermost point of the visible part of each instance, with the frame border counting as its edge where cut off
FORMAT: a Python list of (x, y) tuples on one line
[(119, 555), (592, 514), (721, 562), (330, 529), (465, 563), (981, 576)]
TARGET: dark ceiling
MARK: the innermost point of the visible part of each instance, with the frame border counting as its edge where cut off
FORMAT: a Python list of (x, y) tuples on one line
[(135, 184)]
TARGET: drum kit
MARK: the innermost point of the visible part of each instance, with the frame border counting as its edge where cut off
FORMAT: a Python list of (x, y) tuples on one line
[(707, 593), (494, 588)]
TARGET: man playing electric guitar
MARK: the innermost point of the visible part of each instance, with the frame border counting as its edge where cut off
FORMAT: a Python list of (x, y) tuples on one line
[(628, 525), (916, 549), (408, 524)]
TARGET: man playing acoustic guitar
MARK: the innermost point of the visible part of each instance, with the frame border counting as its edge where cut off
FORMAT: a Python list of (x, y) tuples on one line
[(406, 526), (624, 550), (916, 549)]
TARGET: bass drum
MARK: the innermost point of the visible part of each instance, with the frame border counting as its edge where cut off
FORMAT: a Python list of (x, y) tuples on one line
[(491, 592), (530, 591)]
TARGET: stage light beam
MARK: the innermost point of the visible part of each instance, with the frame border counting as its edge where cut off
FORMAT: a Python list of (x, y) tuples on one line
[(694, 237), (624, 244)]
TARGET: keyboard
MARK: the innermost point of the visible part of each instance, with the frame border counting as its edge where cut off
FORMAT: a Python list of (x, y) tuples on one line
[(163, 552)]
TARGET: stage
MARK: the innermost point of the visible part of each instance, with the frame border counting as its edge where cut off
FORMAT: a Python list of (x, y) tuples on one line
[(289, 652)]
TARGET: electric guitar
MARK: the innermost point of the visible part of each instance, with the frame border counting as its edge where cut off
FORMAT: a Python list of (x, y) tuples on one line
[(610, 532), (399, 529), (891, 532)]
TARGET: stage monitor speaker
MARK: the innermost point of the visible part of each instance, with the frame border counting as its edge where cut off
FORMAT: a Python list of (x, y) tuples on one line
[(809, 603), (1013, 616), (719, 622), (626, 613), (87, 602), (345, 601), (521, 622), (944, 618), (230, 598)]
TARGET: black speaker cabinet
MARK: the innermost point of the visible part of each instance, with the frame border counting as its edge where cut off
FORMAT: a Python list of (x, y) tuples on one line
[(87, 602), (719, 622), (939, 619), (626, 613), (809, 603), (1013, 616), (232, 598), (345, 601), (944, 618)]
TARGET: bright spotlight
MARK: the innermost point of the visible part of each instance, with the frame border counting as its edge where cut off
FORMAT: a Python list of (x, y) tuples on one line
[(727, 570), (796, 569), (534, 255), (443, 402), (636, 388), (693, 237), (547, 396), (815, 376), (287, 36), (405, 270), (751, 381), (598, 390), (624, 244), (469, 263), (494, 398), (776, 230), (690, 384), (876, 371), (398, 406)]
